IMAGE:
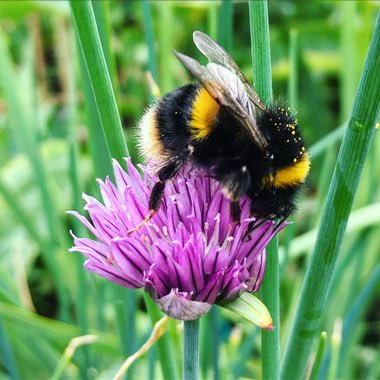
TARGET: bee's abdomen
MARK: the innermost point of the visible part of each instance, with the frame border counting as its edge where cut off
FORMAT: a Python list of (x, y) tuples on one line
[(203, 115), (291, 160)]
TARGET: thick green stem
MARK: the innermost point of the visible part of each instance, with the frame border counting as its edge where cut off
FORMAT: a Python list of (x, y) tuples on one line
[(262, 70), (258, 14), (270, 339), (191, 350), (344, 184)]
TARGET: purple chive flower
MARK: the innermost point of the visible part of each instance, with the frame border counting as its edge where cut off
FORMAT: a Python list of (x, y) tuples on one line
[(189, 256)]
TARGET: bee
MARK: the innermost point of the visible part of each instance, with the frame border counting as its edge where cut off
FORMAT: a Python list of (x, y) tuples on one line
[(221, 125)]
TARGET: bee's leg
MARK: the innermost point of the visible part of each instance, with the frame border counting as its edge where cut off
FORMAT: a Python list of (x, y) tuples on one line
[(155, 199), (254, 225), (156, 195), (282, 220), (167, 172), (251, 227), (235, 211)]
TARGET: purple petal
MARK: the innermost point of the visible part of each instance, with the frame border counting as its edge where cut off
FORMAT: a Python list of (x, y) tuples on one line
[(216, 260), (92, 248), (256, 273), (131, 257), (235, 281), (156, 282), (110, 274), (210, 291)]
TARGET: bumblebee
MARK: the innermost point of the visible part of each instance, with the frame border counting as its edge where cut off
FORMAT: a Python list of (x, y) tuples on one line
[(221, 125)]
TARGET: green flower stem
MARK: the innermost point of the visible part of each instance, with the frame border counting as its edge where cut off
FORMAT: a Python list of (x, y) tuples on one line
[(262, 70), (270, 340), (92, 50), (342, 190), (191, 350)]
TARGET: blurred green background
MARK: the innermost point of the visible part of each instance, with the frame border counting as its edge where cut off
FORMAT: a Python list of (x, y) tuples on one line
[(50, 152)]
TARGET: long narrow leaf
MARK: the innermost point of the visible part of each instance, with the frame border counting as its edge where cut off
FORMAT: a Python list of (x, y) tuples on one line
[(91, 47), (343, 188)]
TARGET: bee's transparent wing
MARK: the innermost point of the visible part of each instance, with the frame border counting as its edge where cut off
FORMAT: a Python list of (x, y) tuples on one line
[(216, 54), (228, 91)]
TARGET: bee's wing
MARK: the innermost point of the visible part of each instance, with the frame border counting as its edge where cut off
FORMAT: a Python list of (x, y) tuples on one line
[(226, 89), (216, 54)]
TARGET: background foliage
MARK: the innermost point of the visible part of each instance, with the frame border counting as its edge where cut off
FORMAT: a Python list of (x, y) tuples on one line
[(51, 151)]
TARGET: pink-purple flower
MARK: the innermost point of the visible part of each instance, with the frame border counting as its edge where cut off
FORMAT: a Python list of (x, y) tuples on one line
[(190, 255)]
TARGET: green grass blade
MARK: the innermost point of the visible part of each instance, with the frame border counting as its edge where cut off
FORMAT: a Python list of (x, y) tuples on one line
[(81, 299), (25, 220), (343, 188), (327, 141), (100, 154), (348, 41), (293, 69), (210, 343), (149, 38), (260, 49), (9, 361), (167, 362), (270, 340), (225, 24), (358, 308), (27, 139), (91, 47), (102, 17), (165, 42), (360, 219), (212, 20), (25, 135), (319, 356)]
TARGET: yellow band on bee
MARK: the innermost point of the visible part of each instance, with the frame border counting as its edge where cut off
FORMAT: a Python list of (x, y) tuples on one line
[(204, 111), (292, 175)]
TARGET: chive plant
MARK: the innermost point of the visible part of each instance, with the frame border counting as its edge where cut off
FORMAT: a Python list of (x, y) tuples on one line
[(53, 301)]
